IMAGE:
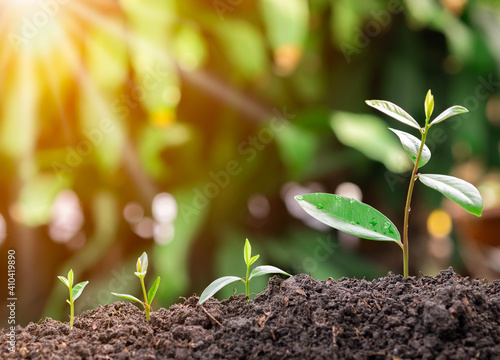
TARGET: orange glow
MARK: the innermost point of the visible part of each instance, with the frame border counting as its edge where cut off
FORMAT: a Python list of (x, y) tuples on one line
[(439, 223)]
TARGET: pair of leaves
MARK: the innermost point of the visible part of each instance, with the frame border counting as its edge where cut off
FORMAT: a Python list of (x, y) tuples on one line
[(399, 114), (77, 290)]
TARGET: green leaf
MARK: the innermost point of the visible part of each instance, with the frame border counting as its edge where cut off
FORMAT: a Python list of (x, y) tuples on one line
[(394, 111), (78, 289), (464, 194), (64, 280), (70, 278), (142, 264), (153, 289), (411, 145), (247, 252), (128, 297), (215, 286), (266, 269), (429, 104), (253, 259), (454, 110), (350, 216)]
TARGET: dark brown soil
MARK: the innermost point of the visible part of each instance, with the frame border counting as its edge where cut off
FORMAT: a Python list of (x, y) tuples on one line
[(442, 317)]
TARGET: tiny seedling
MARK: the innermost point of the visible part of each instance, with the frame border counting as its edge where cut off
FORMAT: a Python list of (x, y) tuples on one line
[(218, 284), (74, 293), (142, 268), (356, 218)]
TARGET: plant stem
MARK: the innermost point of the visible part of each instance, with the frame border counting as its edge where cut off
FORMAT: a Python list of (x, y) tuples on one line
[(413, 178), (72, 311), (247, 284), (146, 304)]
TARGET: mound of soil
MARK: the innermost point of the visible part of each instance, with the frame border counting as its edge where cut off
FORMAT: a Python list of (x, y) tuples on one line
[(442, 317)]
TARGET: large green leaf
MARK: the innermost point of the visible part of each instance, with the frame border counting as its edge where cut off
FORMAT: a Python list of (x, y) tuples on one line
[(394, 111), (454, 110), (464, 194), (266, 269), (411, 144), (215, 286), (350, 216)]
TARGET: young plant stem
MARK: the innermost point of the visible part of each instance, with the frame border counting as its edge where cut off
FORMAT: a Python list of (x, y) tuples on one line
[(146, 304), (413, 178), (247, 284), (72, 309)]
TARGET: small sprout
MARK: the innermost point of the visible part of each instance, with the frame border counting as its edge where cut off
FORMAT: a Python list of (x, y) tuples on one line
[(74, 293), (142, 268), (429, 104), (218, 284), (362, 220)]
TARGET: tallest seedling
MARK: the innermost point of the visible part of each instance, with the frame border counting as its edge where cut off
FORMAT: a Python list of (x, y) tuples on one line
[(359, 219)]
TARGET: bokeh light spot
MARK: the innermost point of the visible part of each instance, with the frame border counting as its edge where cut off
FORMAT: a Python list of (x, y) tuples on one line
[(164, 208), (258, 206), (67, 217), (3, 229), (349, 190), (439, 223), (133, 212)]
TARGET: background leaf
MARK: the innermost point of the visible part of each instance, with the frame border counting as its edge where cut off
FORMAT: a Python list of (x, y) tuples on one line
[(411, 145), (215, 286), (368, 134), (460, 191), (350, 216)]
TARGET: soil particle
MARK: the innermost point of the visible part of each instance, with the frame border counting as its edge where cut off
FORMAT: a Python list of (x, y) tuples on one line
[(442, 317)]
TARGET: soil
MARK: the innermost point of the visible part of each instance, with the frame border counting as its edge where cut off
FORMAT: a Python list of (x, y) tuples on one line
[(442, 317)]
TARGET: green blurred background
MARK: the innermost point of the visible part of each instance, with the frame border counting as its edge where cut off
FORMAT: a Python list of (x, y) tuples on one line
[(181, 128)]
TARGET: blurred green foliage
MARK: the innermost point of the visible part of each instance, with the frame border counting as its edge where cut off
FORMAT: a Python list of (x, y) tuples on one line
[(228, 106)]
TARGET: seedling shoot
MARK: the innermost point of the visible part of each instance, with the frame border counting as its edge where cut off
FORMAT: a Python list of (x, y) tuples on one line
[(219, 283), (74, 293), (141, 270)]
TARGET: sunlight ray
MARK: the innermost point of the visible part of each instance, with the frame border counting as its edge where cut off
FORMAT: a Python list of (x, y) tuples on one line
[(52, 81)]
